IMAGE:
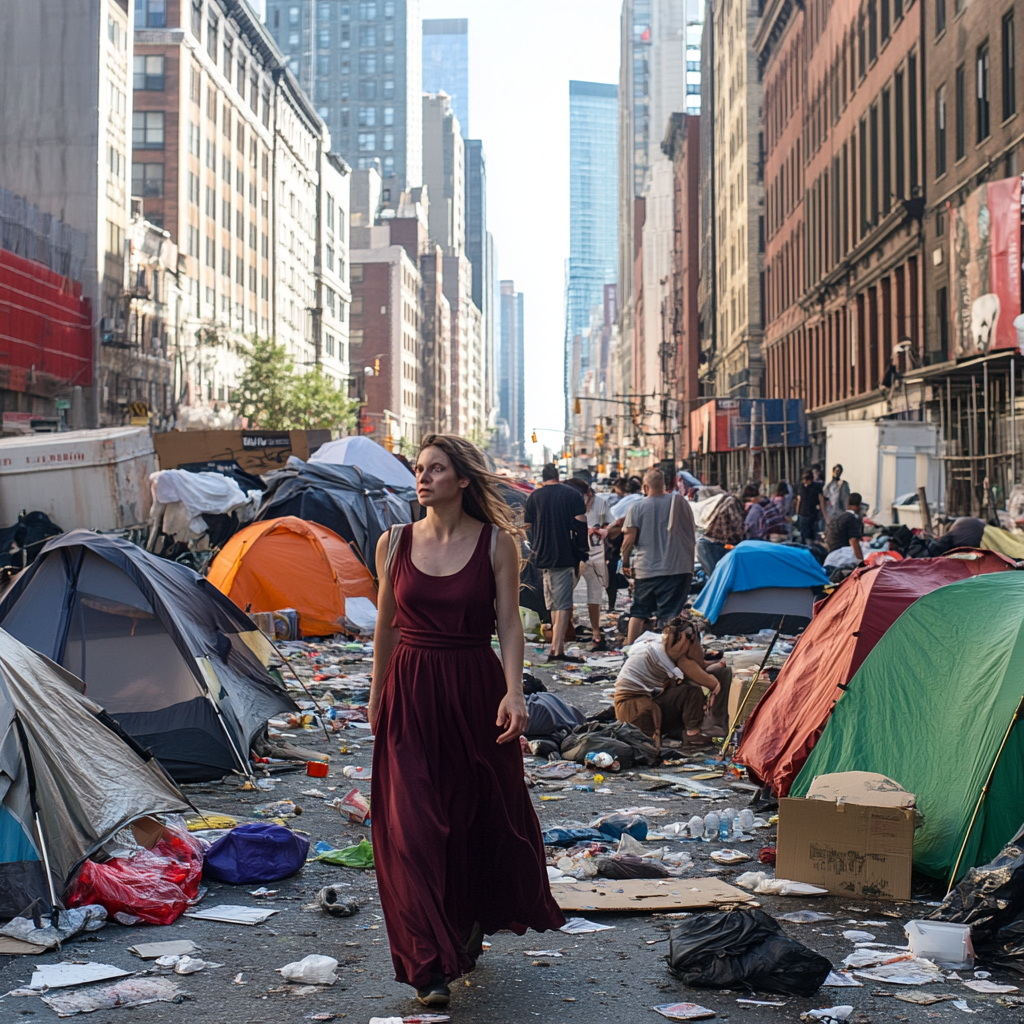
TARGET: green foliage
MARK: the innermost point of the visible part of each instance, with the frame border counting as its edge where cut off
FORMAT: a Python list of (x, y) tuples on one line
[(272, 396)]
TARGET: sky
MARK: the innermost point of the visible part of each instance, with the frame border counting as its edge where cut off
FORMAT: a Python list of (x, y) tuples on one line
[(521, 58)]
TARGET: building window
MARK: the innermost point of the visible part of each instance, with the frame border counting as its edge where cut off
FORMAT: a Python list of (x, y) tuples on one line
[(329, 258), (211, 154), (197, 19), (225, 262), (961, 111), (239, 270), (193, 241), (148, 129), (368, 90), (346, 36), (389, 8), (225, 214), (240, 224), (389, 88), (195, 85), (886, 151), (389, 141), (330, 215), (324, 38), (240, 77), (293, 15), (329, 295), (367, 35), (211, 37), (322, 64), (211, 202), (148, 180), (367, 63), (148, 74), (193, 188), (367, 142), (389, 116), (912, 122), (940, 17), (389, 62), (367, 117), (193, 139), (343, 117), (1009, 69), (357, 300), (329, 344), (884, 25), (368, 10), (872, 30), (357, 275), (982, 86), (389, 167), (211, 254), (389, 34), (225, 167), (150, 14)]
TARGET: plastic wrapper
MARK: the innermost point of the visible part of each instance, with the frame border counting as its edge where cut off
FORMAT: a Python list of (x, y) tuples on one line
[(360, 857), (743, 949), (613, 826), (155, 886)]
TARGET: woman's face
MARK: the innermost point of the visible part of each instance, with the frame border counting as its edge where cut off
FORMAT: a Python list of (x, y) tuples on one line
[(436, 480)]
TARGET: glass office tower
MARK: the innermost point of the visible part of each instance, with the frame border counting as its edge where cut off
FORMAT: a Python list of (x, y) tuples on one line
[(446, 63)]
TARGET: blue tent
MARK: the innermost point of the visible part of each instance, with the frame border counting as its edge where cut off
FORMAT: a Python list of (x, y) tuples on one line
[(757, 584)]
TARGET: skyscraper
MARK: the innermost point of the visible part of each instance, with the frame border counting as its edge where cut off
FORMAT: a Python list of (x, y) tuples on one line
[(360, 65), (478, 252), (593, 208), (511, 372), (446, 63)]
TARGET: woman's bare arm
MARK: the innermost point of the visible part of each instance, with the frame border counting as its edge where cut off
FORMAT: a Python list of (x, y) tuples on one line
[(385, 636), (512, 713)]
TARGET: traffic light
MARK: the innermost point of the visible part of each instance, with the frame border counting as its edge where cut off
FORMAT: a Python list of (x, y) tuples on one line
[(599, 435), (576, 408), (534, 437)]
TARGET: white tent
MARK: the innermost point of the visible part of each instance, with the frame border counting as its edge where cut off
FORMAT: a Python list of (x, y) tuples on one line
[(368, 456)]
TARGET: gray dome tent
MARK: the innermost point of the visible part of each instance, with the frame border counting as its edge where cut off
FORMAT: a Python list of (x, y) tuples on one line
[(68, 779), (176, 664)]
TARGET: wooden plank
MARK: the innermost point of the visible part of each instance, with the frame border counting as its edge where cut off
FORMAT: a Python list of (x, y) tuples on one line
[(646, 894)]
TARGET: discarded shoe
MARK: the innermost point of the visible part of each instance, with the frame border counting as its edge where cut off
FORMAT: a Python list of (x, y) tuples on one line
[(332, 901)]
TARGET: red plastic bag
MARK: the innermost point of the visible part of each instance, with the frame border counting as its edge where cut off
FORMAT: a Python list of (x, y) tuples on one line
[(155, 886)]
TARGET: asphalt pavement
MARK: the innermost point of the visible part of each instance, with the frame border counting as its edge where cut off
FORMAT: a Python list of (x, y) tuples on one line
[(609, 976)]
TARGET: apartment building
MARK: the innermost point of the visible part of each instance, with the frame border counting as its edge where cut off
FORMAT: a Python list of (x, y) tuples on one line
[(735, 369), (387, 314), (360, 64), (843, 144), (334, 296), (65, 103)]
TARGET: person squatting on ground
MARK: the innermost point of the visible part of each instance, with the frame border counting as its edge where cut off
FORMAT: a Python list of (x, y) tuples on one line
[(660, 689), (660, 537), (555, 515), (457, 844)]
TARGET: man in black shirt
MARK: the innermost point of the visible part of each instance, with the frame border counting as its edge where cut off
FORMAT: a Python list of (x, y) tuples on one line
[(846, 528), (966, 532), (807, 495), (556, 517)]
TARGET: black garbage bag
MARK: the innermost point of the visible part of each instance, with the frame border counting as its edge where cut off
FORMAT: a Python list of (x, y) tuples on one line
[(990, 899), (627, 865), (626, 743), (743, 949)]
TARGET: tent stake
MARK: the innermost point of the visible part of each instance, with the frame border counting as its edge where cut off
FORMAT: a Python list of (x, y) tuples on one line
[(983, 794), (54, 909)]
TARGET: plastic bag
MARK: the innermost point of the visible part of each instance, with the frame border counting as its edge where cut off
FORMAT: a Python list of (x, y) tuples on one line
[(360, 856), (626, 865), (311, 970), (572, 836), (257, 852), (743, 949), (155, 886), (615, 825), (990, 899)]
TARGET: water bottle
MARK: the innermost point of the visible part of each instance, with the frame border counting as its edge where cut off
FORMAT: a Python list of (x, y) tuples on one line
[(695, 827), (737, 826), (710, 827), (724, 831), (746, 818), (728, 813)]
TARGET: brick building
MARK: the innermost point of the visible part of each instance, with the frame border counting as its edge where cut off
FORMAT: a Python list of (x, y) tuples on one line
[(843, 144), (682, 145)]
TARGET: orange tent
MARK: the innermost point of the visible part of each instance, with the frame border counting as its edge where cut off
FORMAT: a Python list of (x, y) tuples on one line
[(292, 563)]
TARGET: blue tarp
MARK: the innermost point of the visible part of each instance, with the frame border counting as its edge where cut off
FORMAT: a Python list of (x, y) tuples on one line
[(755, 564)]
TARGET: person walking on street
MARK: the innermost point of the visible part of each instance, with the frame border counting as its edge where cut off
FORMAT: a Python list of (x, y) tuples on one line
[(808, 505), (658, 552), (835, 497), (627, 492), (555, 515), (845, 529), (451, 812), (595, 569)]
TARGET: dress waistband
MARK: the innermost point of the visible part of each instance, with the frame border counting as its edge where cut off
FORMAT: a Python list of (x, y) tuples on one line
[(430, 639)]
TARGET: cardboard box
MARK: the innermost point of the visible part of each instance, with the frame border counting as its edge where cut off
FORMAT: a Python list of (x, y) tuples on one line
[(849, 849), (256, 451)]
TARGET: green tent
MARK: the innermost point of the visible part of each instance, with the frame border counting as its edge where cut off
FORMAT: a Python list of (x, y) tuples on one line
[(935, 707)]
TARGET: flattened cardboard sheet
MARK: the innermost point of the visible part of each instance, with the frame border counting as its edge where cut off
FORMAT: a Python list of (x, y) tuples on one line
[(647, 894)]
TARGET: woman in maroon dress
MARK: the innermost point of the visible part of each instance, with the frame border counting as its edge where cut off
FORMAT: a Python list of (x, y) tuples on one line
[(456, 841)]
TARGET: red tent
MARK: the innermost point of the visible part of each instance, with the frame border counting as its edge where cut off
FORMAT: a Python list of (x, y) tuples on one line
[(791, 716)]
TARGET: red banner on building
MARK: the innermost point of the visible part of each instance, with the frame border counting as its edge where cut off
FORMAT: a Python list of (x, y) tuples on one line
[(984, 243), (45, 324)]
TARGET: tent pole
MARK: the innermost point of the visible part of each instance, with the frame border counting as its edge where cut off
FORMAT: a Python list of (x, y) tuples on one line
[(750, 689), (309, 694), (984, 793), (54, 910)]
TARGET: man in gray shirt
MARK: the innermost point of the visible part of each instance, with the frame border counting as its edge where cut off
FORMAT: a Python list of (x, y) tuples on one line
[(657, 551)]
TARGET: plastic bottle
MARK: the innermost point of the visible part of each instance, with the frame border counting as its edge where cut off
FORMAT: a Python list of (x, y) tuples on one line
[(599, 759), (737, 826), (695, 827), (724, 831), (710, 827), (727, 814), (746, 818)]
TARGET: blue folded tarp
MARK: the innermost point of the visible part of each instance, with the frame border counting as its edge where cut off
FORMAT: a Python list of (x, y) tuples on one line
[(756, 564)]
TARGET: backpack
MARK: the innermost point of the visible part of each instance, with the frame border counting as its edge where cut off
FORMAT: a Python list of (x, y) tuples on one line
[(773, 520), (626, 743), (551, 717)]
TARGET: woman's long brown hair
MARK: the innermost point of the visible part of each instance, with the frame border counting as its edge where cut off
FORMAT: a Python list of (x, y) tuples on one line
[(481, 499)]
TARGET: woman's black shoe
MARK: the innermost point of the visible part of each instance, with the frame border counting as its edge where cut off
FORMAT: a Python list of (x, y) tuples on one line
[(436, 993)]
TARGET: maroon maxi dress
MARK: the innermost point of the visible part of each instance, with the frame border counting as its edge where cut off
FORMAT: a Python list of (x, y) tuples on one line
[(455, 836)]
